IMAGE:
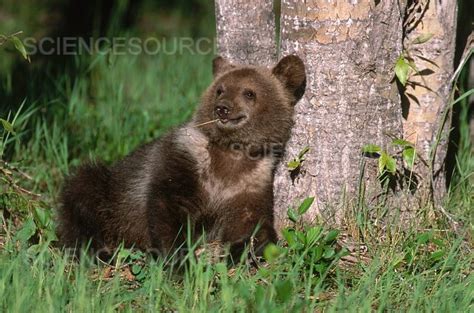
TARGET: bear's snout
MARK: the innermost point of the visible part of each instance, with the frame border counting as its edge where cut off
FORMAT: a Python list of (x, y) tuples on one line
[(223, 110)]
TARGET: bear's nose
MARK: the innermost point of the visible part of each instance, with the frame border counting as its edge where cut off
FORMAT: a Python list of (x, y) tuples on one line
[(222, 111)]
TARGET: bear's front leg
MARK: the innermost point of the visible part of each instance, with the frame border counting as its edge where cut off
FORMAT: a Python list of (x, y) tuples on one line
[(248, 225)]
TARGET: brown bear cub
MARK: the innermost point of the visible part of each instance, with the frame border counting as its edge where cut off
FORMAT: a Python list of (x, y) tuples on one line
[(215, 177)]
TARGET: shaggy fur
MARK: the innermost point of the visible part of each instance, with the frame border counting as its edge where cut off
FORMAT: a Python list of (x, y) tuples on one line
[(216, 176)]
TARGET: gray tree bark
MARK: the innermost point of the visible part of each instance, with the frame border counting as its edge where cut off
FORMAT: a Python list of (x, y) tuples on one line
[(349, 48), (352, 99), (246, 31), (429, 90)]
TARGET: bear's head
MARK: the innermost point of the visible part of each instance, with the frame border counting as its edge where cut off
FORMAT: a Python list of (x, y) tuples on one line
[(252, 105)]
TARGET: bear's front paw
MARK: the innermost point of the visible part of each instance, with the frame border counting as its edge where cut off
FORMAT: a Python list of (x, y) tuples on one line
[(212, 252)]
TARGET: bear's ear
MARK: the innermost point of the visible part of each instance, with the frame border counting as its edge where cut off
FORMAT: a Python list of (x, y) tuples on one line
[(220, 65), (291, 72)]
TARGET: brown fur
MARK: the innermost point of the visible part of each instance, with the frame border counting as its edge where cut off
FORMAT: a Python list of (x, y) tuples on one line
[(218, 176)]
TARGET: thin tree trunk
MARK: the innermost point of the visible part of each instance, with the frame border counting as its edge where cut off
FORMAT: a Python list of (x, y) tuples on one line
[(349, 48), (428, 92), (246, 31)]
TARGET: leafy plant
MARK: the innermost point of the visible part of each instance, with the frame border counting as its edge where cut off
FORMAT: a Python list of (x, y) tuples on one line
[(136, 262), (33, 220), (7, 126), (408, 151), (387, 163), (296, 163), (405, 65), (314, 245), (17, 43), (402, 69), (422, 252)]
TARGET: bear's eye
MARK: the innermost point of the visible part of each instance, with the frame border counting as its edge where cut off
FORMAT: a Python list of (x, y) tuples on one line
[(219, 91), (249, 94)]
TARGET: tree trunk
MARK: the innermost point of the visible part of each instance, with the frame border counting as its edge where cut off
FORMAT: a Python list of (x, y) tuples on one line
[(349, 48), (352, 99), (428, 92), (246, 31)]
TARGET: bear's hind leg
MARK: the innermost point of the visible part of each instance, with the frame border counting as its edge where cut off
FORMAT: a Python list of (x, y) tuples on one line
[(83, 210)]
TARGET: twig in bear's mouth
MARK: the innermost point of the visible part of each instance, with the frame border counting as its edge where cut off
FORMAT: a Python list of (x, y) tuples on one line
[(205, 123)]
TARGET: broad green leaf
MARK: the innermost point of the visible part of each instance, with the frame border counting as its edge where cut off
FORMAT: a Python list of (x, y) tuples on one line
[(331, 236), (20, 47), (301, 236), (321, 268), (8, 127), (382, 162), (292, 215), (27, 231), (271, 252), (402, 69), (284, 290), (386, 162), (409, 156), (402, 143), (290, 237), (136, 269), (423, 238), (437, 242), (422, 38), (42, 216), (141, 276), (312, 234), (370, 148), (305, 205), (329, 252), (391, 165), (50, 235), (294, 164), (318, 253)]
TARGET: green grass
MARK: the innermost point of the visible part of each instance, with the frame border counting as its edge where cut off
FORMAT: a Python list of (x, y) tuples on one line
[(108, 110), (45, 279), (109, 107)]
